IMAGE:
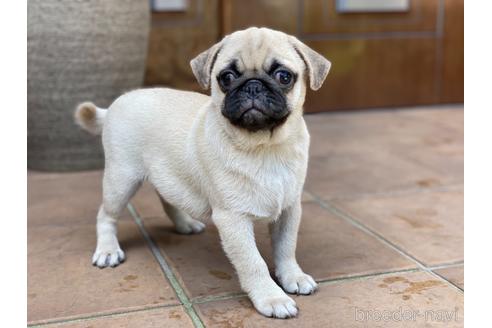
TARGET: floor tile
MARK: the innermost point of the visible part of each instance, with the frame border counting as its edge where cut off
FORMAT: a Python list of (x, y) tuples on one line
[(454, 274), (64, 198), (380, 129), (62, 282), (446, 159), (343, 174), (171, 317), (441, 147), (400, 300), (451, 116), (429, 226), (328, 247), (398, 171), (381, 151)]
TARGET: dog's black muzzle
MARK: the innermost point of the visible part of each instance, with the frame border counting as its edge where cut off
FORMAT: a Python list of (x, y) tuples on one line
[(255, 104)]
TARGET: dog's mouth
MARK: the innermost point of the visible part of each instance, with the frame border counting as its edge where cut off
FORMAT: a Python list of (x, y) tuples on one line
[(253, 111), (255, 119)]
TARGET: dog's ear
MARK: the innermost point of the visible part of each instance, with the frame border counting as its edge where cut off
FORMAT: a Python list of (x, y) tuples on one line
[(317, 65), (203, 64)]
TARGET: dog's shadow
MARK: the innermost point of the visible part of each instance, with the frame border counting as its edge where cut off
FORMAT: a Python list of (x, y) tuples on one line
[(160, 233)]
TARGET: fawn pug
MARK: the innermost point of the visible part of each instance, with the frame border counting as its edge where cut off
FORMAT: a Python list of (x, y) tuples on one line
[(237, 156)]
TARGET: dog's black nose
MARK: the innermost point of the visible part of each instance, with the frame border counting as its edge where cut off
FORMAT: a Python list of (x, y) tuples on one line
[(253, 87)]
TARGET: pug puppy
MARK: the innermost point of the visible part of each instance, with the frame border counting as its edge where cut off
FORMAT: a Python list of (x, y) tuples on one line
[(238, 156)]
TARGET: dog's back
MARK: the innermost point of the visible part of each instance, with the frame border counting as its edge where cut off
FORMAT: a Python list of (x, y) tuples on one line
[(167, 107), (138, 118)]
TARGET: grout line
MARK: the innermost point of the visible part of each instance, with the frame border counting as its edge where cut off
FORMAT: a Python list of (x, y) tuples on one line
[(363, 276), (215, 298), (322, 282), (447, 265), (168, 272), (341, 214), (102, 315), (449, 281)]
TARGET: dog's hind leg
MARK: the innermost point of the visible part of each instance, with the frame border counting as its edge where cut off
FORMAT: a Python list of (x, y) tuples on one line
[(118, 187), (183, 223)]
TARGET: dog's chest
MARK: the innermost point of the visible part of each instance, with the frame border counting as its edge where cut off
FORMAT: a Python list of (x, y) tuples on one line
[(263, 188)]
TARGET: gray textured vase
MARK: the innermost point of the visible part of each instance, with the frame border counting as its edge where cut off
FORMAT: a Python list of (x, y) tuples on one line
[(78, 50)]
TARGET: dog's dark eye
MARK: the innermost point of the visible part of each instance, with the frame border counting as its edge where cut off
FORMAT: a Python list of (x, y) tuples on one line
[(283, 77), (226, 79)]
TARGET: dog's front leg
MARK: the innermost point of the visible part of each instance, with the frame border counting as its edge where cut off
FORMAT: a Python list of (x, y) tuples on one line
[(284, 240), (238, 240)]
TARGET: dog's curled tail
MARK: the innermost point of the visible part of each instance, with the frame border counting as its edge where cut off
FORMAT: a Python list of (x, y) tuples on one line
[(90, 118)]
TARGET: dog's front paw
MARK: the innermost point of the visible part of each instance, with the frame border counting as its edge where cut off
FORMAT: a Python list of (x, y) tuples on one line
[(277, 305), (108, 257), (190, 226), (297, 282)]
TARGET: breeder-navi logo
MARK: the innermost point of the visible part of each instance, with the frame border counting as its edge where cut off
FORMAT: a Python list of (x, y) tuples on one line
[(401, 314)]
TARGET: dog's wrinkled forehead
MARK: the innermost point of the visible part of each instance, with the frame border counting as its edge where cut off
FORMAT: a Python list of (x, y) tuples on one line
[(257, 49)]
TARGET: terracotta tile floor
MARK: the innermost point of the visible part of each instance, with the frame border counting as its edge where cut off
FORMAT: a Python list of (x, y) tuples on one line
[(382, 232)]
